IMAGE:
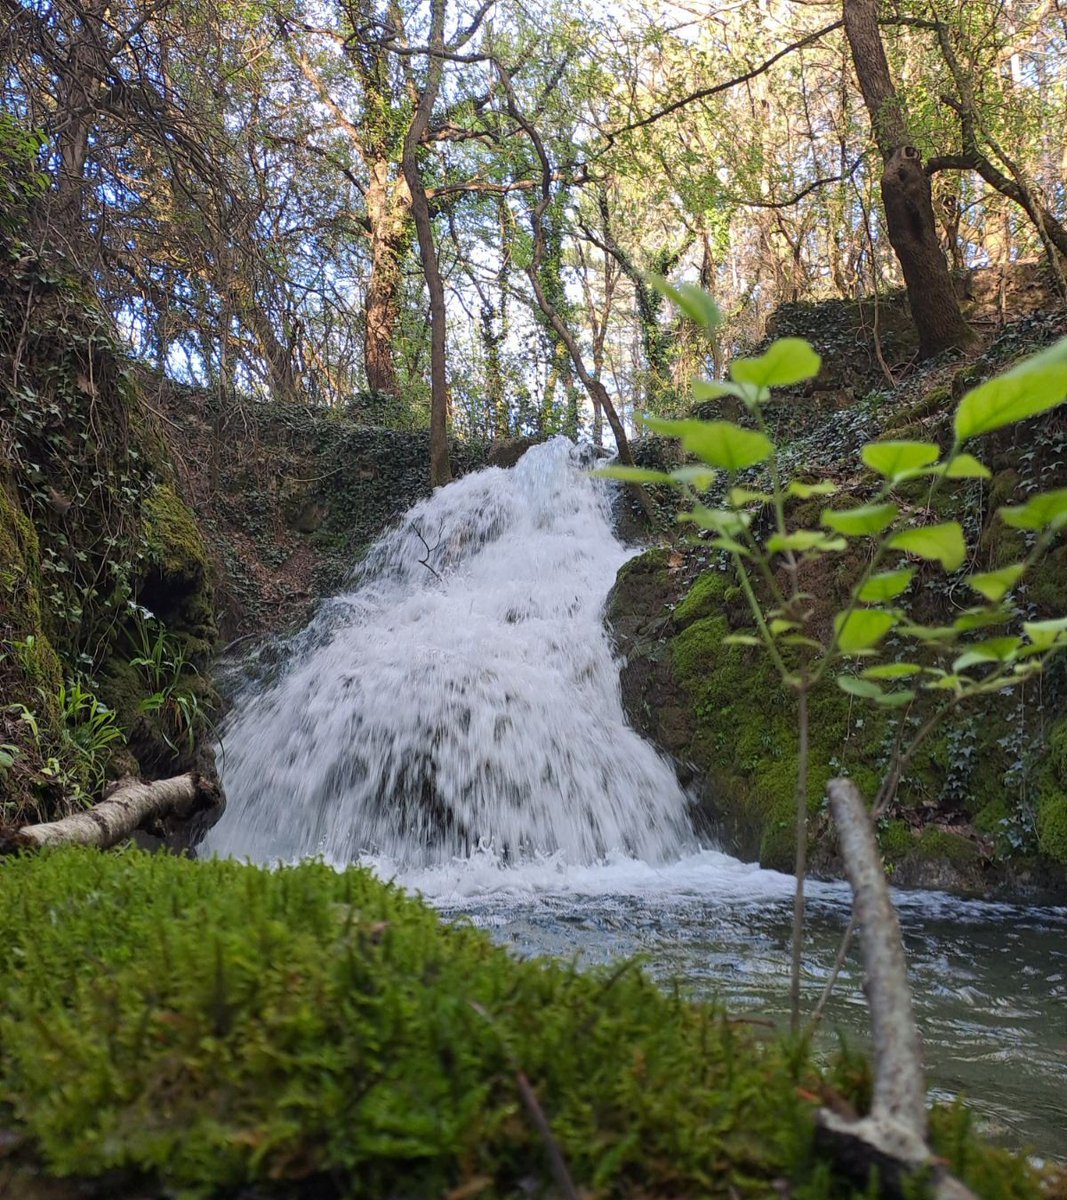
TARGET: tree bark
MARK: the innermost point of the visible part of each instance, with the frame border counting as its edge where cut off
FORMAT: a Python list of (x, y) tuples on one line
[(126, 810), (440, 470), (909, 210), (892, 1138), (388, 211)]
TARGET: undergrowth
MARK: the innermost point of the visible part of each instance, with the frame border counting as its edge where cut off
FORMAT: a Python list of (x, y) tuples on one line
[(210, 1026)]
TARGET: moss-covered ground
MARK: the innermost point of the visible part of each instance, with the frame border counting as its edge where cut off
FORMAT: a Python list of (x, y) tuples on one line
[(213, 1030)]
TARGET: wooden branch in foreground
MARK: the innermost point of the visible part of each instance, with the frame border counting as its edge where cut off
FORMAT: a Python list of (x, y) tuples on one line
[(892, 1137), (130, 806)]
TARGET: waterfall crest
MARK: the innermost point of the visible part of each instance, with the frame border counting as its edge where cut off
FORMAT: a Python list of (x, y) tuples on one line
[(461, 695)]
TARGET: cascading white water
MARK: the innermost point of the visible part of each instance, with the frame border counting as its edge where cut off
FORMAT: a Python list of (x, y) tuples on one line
[(462, 695)]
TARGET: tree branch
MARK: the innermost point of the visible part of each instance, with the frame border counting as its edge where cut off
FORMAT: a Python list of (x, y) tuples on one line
[(715, 89), (892, 1138)]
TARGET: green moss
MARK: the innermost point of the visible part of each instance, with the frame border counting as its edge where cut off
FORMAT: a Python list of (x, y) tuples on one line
[(30, 670), (704, 598), (1052, 825), (990, 818), (778, 846), (177, 584), (940, 843), (304, 1028), (895, 840), (746, 735), (1057, 750), (174, 542)]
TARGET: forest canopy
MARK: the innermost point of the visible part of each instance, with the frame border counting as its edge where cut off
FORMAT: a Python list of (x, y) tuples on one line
[(447, 212)]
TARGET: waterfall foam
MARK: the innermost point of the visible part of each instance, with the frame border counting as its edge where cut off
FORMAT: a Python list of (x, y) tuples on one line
[(461, 695)]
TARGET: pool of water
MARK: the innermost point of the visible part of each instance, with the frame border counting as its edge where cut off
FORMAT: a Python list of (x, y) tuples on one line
[(989, 980)]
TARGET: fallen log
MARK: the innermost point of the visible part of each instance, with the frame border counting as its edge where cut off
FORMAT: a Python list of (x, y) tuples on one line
[(131, 806), (892, 1137)]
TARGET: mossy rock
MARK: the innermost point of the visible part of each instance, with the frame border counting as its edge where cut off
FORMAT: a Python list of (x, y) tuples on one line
[(30, 671), (1057, 750), (307, 1032), (176, 585), (942, 843), (1052, 824), (895, 840), (745, 736), (705, 598), (21, 612)]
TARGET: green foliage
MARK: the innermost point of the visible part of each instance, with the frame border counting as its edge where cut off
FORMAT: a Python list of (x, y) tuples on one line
[(21, 182), (167, 675), (1034, 386), (245, 1026), (90, 731), (748, 519)]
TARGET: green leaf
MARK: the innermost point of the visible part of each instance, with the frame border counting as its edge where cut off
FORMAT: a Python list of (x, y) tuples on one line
[(632, 474), (994, 585), (1046, 633), (886, 586), (929, 633), (741, 639), (894, 459), (781, 625), (947, 683), (720, 443), (858, 687), (740, 496), (805, 491), (802, 540), (1045, 509), (943, 542), (725, 543), (966, 466), (994, 650), (898, 670), (747, 393), (786, 361), (1033, 386), (866, 519), (699, 477), (862, 628), (692, 300), (895, 699), (980, 618), (721, 520)]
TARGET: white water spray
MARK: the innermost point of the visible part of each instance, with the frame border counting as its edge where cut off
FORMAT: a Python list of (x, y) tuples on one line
[(463, 695)]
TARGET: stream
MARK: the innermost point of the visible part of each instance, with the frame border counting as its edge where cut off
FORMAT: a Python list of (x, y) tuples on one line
[(454, 720)]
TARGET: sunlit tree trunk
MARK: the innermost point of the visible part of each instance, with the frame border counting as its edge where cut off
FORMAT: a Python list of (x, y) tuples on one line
[(388, 214), (906, 196)]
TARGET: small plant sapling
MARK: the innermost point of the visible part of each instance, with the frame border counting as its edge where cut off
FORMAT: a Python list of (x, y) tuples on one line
[(739, 498)]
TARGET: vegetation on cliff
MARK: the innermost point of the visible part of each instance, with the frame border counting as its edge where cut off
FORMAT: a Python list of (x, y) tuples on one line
[(94, 534), (980, 793)]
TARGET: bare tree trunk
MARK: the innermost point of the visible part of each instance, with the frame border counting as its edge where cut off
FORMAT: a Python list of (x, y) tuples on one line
[(909, 210), (126, 810)]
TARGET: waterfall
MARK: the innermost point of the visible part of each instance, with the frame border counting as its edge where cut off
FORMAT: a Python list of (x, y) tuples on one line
[(460, 696)]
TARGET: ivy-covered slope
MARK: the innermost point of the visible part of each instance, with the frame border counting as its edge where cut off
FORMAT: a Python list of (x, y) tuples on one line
[(983, 806), (94, 533), (288, 497), (329, 1037)]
